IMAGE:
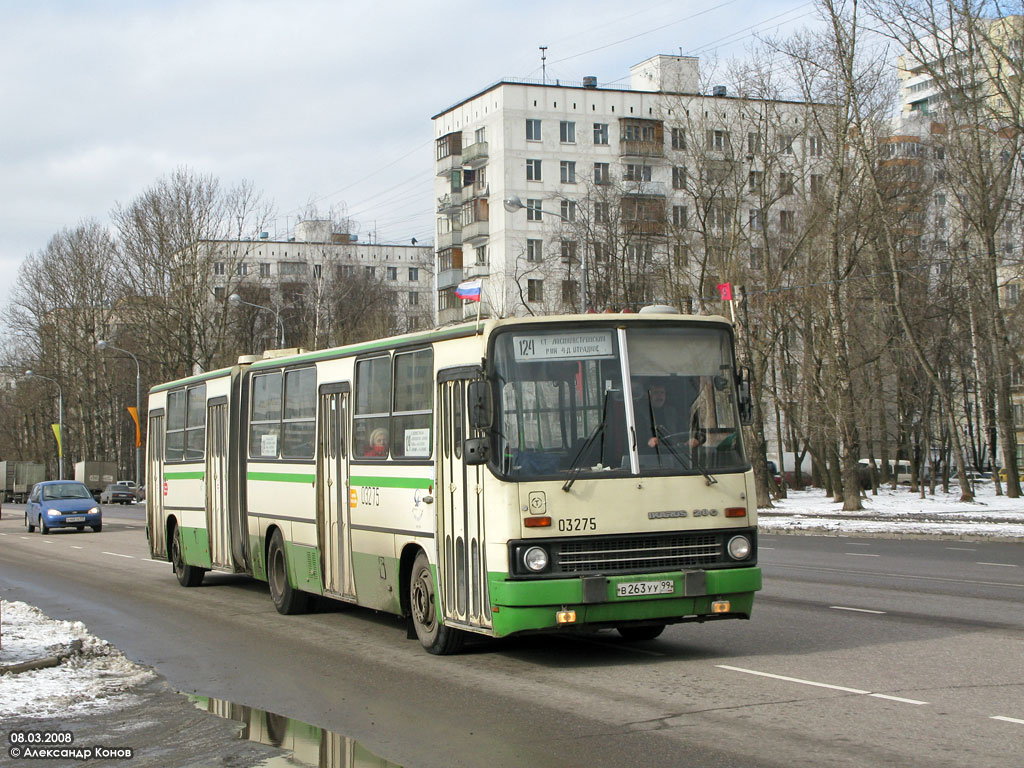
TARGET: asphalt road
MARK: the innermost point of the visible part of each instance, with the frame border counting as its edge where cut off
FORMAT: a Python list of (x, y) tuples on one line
[(861, 652)]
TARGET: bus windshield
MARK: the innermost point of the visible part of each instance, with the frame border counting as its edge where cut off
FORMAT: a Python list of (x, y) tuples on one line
[(563, 407)]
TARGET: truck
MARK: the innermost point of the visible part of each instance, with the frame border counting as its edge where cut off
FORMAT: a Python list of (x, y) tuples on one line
[(96, 475), (18, 477)]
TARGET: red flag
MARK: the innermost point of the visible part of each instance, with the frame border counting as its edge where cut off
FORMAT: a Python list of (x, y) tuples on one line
[(725, 291)]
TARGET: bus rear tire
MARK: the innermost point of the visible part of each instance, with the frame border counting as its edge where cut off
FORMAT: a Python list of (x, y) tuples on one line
[(287, 600), (433, 635), (188, 575), (639, 634)]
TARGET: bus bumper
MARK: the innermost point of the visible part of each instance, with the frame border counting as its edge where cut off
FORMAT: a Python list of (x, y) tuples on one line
[(522, 606)]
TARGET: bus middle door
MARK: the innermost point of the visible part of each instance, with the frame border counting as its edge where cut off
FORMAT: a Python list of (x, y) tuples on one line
[(462, 571), (218, 521), (332, 500)]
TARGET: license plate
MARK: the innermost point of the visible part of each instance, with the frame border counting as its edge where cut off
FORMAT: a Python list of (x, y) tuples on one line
[(79, 519), (634, 588)]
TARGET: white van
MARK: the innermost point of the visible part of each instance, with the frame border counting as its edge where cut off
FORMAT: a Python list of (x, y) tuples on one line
[(900, 468)]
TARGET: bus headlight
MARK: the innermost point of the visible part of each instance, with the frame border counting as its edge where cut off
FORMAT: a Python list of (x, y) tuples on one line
[(535, 559), (739, 547)]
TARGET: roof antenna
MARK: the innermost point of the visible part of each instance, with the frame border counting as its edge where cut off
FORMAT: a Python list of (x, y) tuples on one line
[(543, 64)]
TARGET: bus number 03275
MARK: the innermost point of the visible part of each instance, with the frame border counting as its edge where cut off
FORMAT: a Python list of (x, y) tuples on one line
[(578, 524)]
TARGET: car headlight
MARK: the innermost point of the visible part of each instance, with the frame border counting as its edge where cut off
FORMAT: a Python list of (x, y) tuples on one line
[(94, 511), (535, 559), (739, 547)]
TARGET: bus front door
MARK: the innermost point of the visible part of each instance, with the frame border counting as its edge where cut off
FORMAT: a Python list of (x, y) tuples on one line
[(218, 521), (462, 567), (157, 523), (332, 500)]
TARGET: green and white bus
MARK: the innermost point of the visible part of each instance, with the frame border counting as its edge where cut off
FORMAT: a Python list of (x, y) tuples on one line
[(493, 478)]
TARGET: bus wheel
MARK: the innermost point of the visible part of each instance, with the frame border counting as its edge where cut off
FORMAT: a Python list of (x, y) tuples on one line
[(286, 599), (636, 634), (188, 575), (435, 637)]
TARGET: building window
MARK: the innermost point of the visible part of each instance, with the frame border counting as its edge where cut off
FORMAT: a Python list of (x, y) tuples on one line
[(817, 183), (535, 290), (533, 170), (480, 136), (533, 130), (1012, 294), (600, 133), (218, 292), (570, 291), (678, 138), (567, 132), (414, 299), (533, 211), (753, 143), (602, 212), (264, 270), (446, 299), (787, 221), (601, 175), (680, 255), (218, 268), (318, 271), (392, 273), (678, 177), (786, 143), (638, 131), (679, 216), (755, 178), (568, 210), (414, 274), (568, 251), (292, 268), (718, 141), (814, 147), (600, 250), (481, 255), (534, 249), (568, 171), (637, 172), (756, 220), (786, 183), (242, 269), (371, 272), (449, 144)]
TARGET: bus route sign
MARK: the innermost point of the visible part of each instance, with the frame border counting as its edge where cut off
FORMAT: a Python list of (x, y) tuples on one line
[(562, 346)]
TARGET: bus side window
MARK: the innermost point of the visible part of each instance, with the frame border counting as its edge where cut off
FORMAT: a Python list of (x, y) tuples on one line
[(372, 415)]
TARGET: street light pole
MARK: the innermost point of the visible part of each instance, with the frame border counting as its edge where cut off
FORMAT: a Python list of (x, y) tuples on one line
[(60, 421), (234, 298), (101, 344), (513, 204)]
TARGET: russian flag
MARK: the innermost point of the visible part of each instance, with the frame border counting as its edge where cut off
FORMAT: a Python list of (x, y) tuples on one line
[(469, 290)]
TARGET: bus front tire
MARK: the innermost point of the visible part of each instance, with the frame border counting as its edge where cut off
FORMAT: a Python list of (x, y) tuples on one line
[(286, 599), (434, 636), (188, 575), (639, 634)]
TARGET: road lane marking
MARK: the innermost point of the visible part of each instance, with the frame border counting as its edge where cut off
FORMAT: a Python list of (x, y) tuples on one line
[(764, 548), (860, 554), (75, 546), (907, 576), (858, 610), (1007, 719), (963, 549), (1001, 565), (116, 554), (816, 684), (854, 544), (151, 560)]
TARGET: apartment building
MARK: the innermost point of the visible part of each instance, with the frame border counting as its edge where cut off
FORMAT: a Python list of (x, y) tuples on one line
[(569, 196)]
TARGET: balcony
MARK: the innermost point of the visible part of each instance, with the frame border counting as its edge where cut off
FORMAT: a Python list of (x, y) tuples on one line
[(476, 270), (449, 204), (644, 188), (448, 278), (449, 240), (628, 148), (446, 165), (476, 232), (475, 155)]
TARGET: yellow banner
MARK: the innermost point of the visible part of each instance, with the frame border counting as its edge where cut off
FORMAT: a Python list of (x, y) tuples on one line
[(135, 417), (60, 445)]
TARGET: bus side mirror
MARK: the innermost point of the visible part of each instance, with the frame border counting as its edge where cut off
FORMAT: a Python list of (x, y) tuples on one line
[(478, 397), (746, 402), (475, 451)]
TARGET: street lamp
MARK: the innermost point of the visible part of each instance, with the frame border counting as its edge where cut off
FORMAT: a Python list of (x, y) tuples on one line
[(234, 298), (101, 345), (513, 204), (60, 421)]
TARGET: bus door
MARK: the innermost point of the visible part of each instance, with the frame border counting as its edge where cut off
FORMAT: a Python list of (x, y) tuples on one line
[(218, 520), (332, 500), (462, 567), (155, 484)]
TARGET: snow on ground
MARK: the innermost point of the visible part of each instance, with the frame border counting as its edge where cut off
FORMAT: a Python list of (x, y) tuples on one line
[(900, 511), (97, 678)]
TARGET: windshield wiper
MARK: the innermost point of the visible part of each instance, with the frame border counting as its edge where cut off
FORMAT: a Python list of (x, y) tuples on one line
[(575, 468), (692, 463)]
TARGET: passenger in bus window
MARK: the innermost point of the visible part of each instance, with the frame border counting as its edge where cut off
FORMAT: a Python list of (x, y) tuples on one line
[(378, 445)]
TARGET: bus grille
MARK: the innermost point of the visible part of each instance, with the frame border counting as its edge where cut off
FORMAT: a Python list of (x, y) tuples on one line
[(666, 552)]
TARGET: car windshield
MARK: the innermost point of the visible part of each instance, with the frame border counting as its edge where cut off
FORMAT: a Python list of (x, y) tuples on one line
[(676, 415), (65, 491)]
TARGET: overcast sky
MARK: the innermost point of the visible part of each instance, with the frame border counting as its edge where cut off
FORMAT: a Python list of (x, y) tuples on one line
[(312, 101)]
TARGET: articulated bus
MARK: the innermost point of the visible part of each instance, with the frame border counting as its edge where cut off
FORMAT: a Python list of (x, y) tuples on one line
[(493, 478)]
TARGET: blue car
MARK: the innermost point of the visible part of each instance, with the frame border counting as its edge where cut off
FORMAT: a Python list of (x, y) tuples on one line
[(62, 504)]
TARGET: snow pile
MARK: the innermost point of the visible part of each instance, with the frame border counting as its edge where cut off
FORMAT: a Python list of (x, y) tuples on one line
[(96, 678), (900, 511)]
